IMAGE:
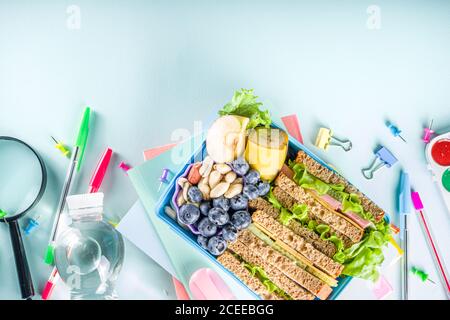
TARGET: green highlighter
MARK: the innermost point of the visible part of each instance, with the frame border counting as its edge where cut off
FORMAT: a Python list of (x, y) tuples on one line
[(74, 166)]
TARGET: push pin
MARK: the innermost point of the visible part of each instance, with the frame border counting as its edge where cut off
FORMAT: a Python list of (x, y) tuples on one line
[(325, 138), (32, 224), (395, 131), (421, 274), (383, 157), (2, 214), (62, 148), (163, 178), (427, 133), (124, 166)]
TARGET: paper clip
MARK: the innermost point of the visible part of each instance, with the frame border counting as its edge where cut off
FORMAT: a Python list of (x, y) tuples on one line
[(383, 157), (325, 138), (427, 133), (163, 178)]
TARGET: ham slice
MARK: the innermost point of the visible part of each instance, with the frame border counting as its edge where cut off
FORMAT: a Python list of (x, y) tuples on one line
[(333, 203), (363, 223)]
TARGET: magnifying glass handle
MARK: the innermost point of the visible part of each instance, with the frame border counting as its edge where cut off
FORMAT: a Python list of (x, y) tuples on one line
[(23, 271)]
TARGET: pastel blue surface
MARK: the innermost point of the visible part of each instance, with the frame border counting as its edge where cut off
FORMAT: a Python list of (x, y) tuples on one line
[(148, 68)]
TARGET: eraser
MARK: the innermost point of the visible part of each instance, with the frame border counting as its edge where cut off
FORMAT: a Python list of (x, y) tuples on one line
[(417, 202)]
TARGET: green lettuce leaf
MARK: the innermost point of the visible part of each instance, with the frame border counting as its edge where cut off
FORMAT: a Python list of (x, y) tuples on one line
[(271, 287), (244, 104), (362, 259), (274, 201)]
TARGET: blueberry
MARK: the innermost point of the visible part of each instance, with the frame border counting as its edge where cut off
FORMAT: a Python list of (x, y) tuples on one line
[(206, 228), (250, 191), (240, 166), (195, 195), (239, 202), (205, 207), (217, 245), (252, 177), (229, 232), (203, 242), (222, 203), (188, 213), (218, 216), (263, 188), (241, 219)]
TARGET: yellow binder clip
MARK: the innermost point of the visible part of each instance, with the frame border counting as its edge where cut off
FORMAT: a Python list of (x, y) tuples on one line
[(325, 139)]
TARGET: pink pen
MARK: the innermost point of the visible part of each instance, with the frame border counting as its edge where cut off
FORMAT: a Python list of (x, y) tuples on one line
[(418, 205), (94, 185)]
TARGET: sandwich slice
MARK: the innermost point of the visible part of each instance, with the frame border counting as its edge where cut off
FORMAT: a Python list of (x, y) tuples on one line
[(349, 198), (311, 228), (318, 209)]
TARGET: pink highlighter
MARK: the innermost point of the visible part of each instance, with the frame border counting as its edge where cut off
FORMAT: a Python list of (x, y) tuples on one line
[(205, 284)]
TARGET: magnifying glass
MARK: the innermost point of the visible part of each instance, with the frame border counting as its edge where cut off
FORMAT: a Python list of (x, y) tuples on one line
[(23, 180)]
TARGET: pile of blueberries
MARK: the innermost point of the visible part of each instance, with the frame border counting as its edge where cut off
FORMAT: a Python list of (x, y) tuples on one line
[(218, 221)]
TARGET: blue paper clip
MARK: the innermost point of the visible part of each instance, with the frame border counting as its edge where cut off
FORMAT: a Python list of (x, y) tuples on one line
[(383, 157)]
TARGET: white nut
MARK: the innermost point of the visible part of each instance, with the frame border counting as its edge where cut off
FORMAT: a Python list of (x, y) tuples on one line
[(203, 181), (223, 168), (234, 190), (204, 189), (186, 187), (206, 167), (238, 181), (219, 190), (181, 181), (214, 178), (180, 199), (170, 212), (230, 177)]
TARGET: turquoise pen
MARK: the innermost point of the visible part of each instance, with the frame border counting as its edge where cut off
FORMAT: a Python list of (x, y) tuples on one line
[(404, 208), (74, 166)]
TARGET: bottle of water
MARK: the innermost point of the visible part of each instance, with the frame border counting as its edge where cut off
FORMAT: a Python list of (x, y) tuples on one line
[(89, 254)]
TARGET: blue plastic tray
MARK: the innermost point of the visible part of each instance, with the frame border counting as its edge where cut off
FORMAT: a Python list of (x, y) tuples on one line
[(199, 155)]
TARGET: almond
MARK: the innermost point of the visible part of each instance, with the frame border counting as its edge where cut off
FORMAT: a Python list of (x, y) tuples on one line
[(234, 190), (186, 187), (194, 175), (206, 167), (238, 181), (180, 199), (205, 189), (219, 190), (230, 177), (214, 178), (223, 168), (181, 181)]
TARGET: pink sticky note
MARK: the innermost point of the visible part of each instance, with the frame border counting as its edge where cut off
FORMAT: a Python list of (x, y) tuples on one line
[(292, 126), (154, 152), (180, 290), (205, 284), (382, 288)]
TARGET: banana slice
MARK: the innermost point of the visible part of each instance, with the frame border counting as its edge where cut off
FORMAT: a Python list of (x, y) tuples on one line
[(226, 138)]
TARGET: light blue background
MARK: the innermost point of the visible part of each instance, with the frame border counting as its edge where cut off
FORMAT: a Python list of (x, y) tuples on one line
[(150, 67)]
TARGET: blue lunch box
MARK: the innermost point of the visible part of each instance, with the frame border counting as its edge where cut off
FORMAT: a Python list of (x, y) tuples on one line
[(166, 200)]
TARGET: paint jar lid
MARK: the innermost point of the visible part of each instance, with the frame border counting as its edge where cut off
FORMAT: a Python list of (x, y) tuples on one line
[(446, 180), (440, 152)]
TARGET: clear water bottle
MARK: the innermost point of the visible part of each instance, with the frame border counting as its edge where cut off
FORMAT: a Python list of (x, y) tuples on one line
[(89, 254)]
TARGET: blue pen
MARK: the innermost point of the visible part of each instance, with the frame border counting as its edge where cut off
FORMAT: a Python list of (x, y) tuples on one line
[(404, 208)]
